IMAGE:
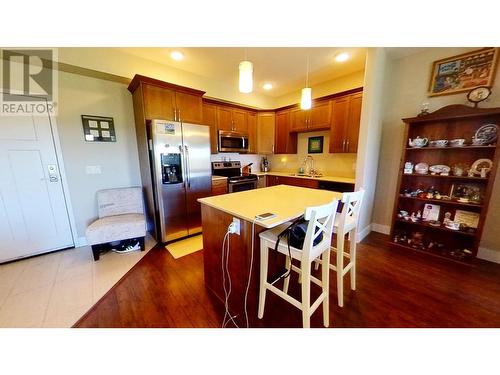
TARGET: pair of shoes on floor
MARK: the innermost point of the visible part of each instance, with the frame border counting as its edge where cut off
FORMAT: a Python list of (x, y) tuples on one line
[(127, 249)]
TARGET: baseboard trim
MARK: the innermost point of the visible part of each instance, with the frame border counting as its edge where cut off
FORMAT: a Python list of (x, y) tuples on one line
[(364, 232), (381, 228), (489, 255), (80, 242)]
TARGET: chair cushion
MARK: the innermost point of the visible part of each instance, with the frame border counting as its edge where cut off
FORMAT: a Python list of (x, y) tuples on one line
[(119, 201), (116, 228)]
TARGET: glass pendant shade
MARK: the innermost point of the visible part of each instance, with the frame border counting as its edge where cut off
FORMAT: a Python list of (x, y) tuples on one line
[(246, 77), (306, 98)]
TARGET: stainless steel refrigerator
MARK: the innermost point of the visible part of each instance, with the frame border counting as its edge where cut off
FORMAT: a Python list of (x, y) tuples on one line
[(180, 157)]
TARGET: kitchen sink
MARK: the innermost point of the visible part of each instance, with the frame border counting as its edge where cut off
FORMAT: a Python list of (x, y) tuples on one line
[(306, 175)]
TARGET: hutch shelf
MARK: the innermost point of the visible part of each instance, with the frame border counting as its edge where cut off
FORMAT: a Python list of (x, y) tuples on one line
[(438, 199)]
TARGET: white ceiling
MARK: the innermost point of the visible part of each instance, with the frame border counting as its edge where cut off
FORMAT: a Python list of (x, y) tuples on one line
[(284, 67)]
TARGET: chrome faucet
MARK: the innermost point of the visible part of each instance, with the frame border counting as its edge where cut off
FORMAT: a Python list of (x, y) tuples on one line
[(311, 170)]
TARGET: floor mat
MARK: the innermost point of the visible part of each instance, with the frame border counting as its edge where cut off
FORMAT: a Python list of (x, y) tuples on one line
[(186, 246)]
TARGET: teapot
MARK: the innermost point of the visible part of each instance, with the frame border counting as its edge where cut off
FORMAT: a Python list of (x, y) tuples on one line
[(418, 142)]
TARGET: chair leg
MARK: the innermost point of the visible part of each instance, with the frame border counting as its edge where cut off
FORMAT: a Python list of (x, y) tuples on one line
[(96, 250), (288, 265), (141, 243), (305, 277), (340, 269), (263, 278), (325, 281), (352, 252)]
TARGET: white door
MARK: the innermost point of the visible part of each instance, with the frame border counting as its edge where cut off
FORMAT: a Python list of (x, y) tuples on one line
[(33, 214)]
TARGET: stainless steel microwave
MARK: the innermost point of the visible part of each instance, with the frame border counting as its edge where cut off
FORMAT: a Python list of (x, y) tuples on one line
[(233, 142)]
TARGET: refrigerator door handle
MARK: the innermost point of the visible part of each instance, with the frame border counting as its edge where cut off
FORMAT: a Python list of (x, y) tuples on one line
[(188, 166)]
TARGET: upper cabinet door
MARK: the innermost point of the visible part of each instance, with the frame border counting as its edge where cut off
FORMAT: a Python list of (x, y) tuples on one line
[(224, 119), (298, 120), (340, 113), (252, 132), (189, 108), (321, 116), (159, 103), (210, 119), (265, 133), (352, 129), (240, 121), (285, 142)]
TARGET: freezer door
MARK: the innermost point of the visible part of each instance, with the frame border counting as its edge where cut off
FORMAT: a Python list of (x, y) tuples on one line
[(198, 173), (171, 197)]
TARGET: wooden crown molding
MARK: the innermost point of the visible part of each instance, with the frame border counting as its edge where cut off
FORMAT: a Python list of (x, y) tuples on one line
[(453, 111), (138, 79)]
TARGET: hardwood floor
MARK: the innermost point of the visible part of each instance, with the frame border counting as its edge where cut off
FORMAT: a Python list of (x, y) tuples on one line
[(395, 288)]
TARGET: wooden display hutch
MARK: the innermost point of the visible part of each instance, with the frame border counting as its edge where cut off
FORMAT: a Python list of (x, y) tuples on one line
[(451, 122)]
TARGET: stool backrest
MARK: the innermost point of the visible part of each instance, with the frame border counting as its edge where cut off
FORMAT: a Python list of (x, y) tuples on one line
[(120, 201), (321, 220), (350, 211)]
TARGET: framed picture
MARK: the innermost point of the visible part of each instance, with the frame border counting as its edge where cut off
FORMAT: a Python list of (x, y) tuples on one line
[(315, 145), (463, 72), (98, 128)]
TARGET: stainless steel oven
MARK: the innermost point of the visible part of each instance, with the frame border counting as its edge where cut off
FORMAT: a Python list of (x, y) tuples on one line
[(233, 142), (241, 184)]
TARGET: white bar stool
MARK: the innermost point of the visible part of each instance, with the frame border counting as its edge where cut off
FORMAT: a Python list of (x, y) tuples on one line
[(321, 219), (346, 223)]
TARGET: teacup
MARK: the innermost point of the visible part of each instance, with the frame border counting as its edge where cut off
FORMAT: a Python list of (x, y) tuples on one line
[(439, 143), (457, 142)]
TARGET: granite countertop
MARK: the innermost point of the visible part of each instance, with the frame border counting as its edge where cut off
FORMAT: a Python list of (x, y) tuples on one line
[(345, 180), (287, 202), (216, 178)]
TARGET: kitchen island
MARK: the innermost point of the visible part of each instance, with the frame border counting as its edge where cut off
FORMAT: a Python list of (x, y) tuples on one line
[(287, 202)]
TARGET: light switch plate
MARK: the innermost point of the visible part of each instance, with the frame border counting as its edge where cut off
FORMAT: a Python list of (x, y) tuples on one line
[(93, 169)]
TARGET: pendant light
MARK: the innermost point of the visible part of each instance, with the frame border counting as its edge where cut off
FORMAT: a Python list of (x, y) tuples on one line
[(306, 97), (246, 75)]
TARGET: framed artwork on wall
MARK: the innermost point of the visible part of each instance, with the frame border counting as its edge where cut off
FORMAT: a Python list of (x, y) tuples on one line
[(98, 128), (315, 145), (463, 72)]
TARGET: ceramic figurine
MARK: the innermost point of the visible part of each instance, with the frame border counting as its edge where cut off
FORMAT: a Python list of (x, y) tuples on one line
[(419, 215), (447, 218)]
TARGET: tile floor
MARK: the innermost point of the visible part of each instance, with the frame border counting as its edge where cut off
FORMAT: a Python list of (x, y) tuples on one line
[(55, 290)]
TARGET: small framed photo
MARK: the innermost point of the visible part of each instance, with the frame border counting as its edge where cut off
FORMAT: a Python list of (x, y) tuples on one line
[(315, 145), (463, 72), (98, 128)]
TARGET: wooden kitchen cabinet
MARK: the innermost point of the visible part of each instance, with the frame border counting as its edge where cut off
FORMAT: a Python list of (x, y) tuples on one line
[(219, 187), (317, 118), (252, 132), (292, 181), (265, 132), (167, 104), (344, 131), (285, 142), (159, 103), (231, 119), (210, 119)]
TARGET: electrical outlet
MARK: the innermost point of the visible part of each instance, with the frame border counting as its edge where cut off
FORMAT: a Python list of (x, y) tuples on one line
[(235, 226)]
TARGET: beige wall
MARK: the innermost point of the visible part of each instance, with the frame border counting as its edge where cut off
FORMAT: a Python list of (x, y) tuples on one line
[(118, 160), (406, 89)]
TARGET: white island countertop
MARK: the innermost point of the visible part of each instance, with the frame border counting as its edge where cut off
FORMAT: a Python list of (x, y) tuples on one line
[(287, 202), (345, 180)]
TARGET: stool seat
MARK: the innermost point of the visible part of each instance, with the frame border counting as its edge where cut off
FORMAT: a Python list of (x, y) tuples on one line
[(350, 223), (116, 228)]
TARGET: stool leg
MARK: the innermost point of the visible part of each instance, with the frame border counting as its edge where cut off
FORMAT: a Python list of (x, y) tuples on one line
[(96, 249), (340, 269), (141, 243), (288, 265), (325, 281), (306, 297), (263, 277), (352, 252)]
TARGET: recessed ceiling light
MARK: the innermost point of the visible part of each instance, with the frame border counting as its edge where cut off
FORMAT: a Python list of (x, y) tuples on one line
[(341, 57), (267, 86), (177, 55)]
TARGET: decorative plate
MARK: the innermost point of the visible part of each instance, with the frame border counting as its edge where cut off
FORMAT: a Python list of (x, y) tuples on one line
[(421, 168), (439, 169), (487, 134), (479, 164), (478, 94)]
